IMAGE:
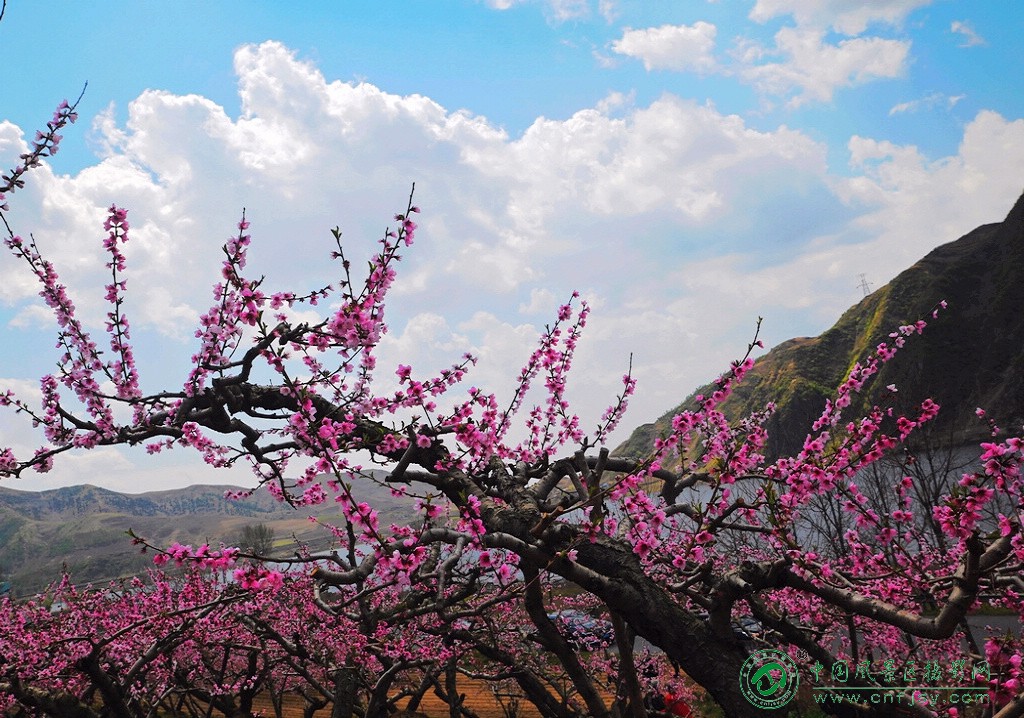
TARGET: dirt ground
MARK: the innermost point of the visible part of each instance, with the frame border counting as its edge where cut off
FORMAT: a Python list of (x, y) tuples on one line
[(478, 697)]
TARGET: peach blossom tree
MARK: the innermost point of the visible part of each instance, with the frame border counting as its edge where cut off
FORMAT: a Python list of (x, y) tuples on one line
[(514, 491)]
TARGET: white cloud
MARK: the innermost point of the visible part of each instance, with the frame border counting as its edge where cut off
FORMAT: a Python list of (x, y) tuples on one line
[(971, 38), (910, 106), (929, 102), (32, 315), (674, 158), (609, 194), (425, 341), (914, 203), (24, 389), (850, 17), (684, 223), (615, 101), (606, 62), (569, 9), (541, 301), (12, 143), (562, 10), (671, 47), (906, 206), (812, 69), (977, 185), (608, 9)]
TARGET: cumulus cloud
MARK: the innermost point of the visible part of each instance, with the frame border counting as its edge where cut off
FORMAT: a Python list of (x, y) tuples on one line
[(850, 17), (805, 66), (683, 223), (970, 37), (912, 202), (541, 301), (675, 158), (977, 185), (906, 204), (811, 69), (609, 195), (671, 47)]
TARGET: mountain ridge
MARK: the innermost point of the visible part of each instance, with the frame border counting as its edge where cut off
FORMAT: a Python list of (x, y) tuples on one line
[(199, 498), (82, 529), (971, 356)]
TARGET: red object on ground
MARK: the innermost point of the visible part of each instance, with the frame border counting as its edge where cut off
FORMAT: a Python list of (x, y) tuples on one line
[(677, 706)]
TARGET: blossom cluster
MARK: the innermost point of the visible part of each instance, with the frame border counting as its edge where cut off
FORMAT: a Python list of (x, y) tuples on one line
[(45, 144)]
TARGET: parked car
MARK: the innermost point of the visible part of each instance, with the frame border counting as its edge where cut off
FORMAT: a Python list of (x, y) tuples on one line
[(757, 630), (584, 630), (746, 629), (751, 626), (741, 635)]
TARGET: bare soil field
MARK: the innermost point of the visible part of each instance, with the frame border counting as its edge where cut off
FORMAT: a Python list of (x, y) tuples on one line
[(478, 697)]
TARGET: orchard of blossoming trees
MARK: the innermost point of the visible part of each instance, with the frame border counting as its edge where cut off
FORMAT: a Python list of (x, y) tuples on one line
[(672, 548)]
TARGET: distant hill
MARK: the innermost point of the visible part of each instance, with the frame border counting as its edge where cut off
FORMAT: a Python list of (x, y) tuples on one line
[(971, 356), (82, 528), (85, 500)]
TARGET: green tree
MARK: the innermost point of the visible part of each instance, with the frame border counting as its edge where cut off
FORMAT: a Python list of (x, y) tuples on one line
[(257, 539)]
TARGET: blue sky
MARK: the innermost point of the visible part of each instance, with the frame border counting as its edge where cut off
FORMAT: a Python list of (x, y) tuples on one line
[(687, 166)]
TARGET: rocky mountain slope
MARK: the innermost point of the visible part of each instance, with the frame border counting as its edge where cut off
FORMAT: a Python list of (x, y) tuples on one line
[(971, 356)]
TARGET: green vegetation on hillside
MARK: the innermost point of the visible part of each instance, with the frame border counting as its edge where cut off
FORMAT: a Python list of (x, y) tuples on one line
[(971, 356), (82, 529)]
